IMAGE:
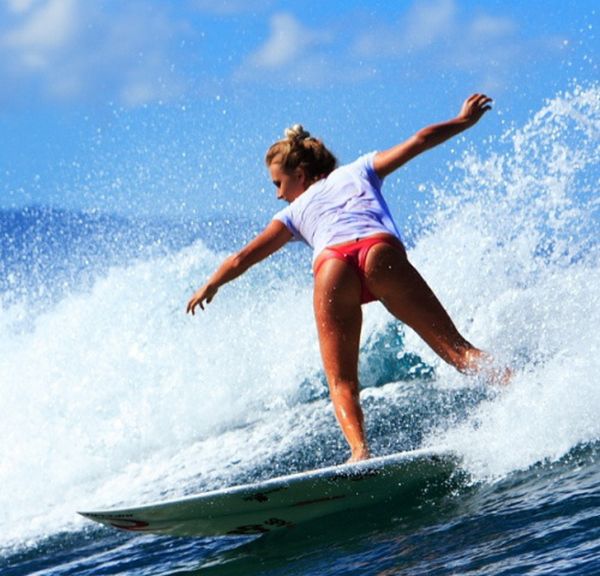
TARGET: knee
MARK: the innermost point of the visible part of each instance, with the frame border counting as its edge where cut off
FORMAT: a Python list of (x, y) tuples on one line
[(347, 387)]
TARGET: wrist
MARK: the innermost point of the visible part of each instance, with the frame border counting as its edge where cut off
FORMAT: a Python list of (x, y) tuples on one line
[(465, 120)]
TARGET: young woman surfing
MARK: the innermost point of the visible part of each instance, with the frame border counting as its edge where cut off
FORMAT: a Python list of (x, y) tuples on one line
[(358, 257)]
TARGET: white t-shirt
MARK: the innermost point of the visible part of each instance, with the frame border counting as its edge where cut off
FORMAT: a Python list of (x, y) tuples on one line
[(346, 205)]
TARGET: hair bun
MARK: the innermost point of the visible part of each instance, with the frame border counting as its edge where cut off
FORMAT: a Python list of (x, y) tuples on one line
[(296, 132)]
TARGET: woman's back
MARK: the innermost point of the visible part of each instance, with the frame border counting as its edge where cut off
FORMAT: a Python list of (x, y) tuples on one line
[(348, 204)]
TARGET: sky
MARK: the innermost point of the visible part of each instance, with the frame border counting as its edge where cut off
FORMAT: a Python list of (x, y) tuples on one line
[(165, 108)]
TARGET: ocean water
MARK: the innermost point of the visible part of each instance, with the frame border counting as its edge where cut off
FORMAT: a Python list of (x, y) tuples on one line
[(110, 395)]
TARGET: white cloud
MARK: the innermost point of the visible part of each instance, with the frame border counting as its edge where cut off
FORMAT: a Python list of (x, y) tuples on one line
[(74, 49), (139, 92), (295, 54), (133, 52), (429, 21), (425, 24), (286, 44), (486, 26), (20, 5), (443, 35), (48, 27), (431, 25), (231, 7)]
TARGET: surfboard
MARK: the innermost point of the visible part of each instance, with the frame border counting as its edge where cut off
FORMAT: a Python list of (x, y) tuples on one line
[(285, 501)]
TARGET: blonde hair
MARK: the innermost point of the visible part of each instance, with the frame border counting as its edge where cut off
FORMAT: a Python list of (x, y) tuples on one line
[(301, 150)]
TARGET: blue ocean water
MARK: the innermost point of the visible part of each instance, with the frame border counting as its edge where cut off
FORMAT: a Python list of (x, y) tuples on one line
[(111, 395)]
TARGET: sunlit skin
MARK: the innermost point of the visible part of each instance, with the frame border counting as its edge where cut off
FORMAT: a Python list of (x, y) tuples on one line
[(390, 277)]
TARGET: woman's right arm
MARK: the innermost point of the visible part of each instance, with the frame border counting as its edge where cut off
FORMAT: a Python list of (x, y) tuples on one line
[(271, 239), (472, 110)]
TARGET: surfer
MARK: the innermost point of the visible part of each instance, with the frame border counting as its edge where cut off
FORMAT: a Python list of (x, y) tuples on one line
[(358, 257)]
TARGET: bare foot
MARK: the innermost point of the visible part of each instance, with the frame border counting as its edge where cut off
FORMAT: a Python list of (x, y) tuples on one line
[(503, 376), (358, 455), (480, 362)]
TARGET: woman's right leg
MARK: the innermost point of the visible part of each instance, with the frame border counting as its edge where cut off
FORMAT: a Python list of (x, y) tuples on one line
[(393, 280), (338, 315)]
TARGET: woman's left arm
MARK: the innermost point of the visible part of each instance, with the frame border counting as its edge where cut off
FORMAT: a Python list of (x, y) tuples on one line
[(271, 239), (472, 110)]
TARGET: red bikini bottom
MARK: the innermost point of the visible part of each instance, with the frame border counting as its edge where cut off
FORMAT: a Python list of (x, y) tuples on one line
[(355, 253)]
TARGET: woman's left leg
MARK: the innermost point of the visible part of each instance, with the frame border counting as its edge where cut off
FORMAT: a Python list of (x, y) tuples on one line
[(339, 319), (393, 280)]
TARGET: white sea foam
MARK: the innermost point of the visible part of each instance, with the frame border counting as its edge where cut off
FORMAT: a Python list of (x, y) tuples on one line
[(104, 389), (521, 227)]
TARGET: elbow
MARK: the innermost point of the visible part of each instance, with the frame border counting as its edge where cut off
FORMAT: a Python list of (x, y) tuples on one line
[(236, 261), (239, 262), (423, 139)]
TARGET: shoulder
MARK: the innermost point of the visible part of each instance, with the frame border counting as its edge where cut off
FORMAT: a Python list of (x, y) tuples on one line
[(364, 164), (363, 167), (292, 214), (287, 217)]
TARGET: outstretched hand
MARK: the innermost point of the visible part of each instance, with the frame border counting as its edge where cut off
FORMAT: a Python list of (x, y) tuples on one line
[(203, 295), (474, 107)]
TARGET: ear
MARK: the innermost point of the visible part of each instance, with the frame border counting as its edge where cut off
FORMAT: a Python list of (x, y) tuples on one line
[(301, 175)]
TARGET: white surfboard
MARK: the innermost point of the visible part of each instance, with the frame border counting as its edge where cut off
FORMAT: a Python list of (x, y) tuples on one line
[(285, 501)]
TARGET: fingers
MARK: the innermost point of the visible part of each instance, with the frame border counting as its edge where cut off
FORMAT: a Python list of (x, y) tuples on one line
[(191, 307), (480, 101), (475, 106), (483, 102), (200, 298), (478, 96)]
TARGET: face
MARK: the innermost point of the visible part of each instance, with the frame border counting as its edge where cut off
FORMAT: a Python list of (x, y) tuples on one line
[(289, 185)]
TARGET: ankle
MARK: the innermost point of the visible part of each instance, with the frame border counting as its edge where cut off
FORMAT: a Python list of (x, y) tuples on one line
[(359, 453)]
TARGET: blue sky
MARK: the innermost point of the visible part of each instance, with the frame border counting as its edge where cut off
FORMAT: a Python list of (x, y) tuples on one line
[(166, 108)]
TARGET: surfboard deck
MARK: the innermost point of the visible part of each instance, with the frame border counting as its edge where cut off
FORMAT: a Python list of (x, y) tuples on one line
[(284, 501)]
